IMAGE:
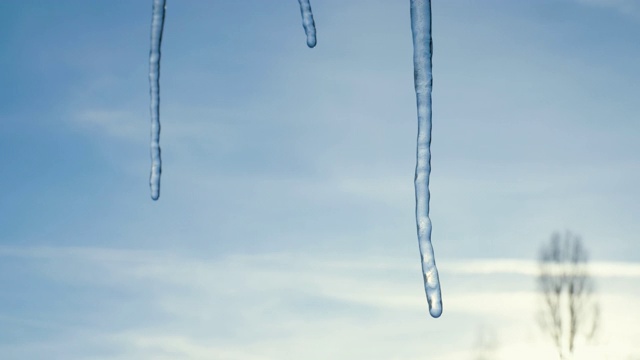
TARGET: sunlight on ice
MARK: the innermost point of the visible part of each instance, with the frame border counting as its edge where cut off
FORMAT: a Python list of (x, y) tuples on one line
[(157, 25), (422, 52)]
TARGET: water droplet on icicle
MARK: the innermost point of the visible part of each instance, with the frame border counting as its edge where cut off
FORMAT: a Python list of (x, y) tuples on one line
[(307, 22), (422, 52), (157, 25)]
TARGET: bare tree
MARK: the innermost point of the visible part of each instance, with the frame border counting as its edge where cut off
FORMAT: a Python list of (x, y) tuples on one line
[(486, 345), (568, 304)]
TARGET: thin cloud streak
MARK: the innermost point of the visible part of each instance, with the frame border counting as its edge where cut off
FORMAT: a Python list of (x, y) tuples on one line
[(275, 305), (603, 269), (530, 268)]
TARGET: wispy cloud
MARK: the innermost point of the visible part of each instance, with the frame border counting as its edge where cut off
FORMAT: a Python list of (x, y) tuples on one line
[(531, 268), (112, 123), (163, 305), (627, 7)]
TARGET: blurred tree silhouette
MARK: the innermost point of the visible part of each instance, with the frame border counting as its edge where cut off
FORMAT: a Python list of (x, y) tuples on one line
[(569, 308), (486, 345)]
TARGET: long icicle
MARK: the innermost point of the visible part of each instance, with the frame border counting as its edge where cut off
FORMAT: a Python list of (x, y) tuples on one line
[(157, 25), (422, 52), (308, 23)]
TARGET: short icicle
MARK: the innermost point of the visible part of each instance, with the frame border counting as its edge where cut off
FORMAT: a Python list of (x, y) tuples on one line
[(307, 22), (422, 52), (157, 25)]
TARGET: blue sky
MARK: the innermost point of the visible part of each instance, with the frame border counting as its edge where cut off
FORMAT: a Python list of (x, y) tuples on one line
[(285, 227)]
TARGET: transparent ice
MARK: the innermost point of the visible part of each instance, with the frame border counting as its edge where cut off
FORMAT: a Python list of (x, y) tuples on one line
[(422, 53), (157, 25), (307, 22), (423, 79)]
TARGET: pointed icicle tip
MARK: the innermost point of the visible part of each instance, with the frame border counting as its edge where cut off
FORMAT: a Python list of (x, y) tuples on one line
[(422, 53)]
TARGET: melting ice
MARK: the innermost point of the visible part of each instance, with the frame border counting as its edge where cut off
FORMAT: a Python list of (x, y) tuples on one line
[(422, 52), (157, 24), (307, 22)]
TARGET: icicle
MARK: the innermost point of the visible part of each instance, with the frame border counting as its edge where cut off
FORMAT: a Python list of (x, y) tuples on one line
[(157, 24), (307, 22), (422, 51)]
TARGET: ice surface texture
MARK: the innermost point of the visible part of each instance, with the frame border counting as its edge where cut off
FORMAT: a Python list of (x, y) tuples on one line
[(422, 52), (157, 25), (307, 22)]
